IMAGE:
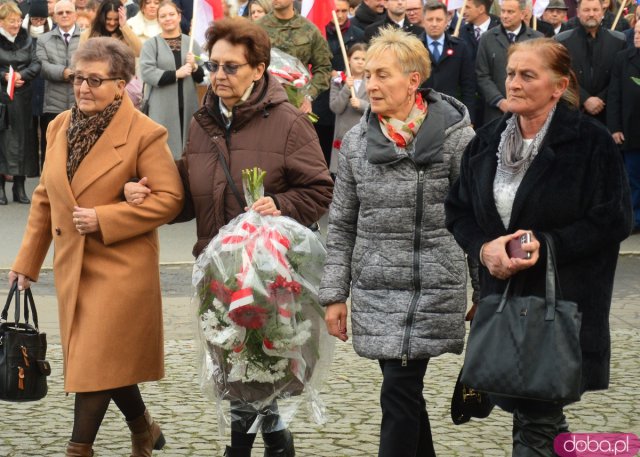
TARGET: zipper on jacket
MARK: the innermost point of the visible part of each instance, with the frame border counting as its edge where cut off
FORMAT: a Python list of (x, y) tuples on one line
[(416, 267)]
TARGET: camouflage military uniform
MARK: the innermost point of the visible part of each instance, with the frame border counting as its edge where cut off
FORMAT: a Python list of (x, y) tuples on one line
[(300, 38)]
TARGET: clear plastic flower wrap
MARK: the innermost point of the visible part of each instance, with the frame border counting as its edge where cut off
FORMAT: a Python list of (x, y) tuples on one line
[(294, 77), (264, 343)]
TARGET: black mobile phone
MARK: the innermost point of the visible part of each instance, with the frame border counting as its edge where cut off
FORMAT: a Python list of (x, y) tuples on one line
[(514, 247)]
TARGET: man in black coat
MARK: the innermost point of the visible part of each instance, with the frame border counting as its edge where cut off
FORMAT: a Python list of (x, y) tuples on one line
[(623, 115), (395, 17), (593, 49), (452, 70), (368, 12), (556, 15)]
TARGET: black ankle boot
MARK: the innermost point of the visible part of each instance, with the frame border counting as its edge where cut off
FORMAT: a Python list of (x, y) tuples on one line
[(3, 196), (237, 451), (278, 444), (19, 195)]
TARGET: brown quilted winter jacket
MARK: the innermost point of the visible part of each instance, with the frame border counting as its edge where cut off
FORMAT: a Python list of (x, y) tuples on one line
[(266, 132)]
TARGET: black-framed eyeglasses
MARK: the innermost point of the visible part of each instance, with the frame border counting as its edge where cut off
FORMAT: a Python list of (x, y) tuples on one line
[(228, 68), (92, 81)]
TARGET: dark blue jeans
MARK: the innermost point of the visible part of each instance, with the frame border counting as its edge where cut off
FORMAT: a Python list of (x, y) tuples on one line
[(405, 429), (632, 164)]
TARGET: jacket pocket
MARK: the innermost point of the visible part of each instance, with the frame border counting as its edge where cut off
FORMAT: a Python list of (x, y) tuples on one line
[(357, 269)]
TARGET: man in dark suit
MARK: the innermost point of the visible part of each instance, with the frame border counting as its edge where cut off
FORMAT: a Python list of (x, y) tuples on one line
[(395, 17), (477, 21), (452, 70), (491, 61), (623, 115), (593, 49), (556, 15)]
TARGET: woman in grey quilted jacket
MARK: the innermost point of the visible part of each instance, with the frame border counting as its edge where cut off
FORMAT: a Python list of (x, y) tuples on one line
[(387, 242)]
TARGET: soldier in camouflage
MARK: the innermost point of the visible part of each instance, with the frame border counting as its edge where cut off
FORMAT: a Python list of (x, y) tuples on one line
[(295, 35)]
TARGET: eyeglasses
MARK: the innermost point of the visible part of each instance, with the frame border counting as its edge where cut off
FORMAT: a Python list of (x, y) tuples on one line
[(62, 13), (228, 68), (92, 81)]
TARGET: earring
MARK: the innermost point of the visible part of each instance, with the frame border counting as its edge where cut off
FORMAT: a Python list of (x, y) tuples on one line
[(118, 96)]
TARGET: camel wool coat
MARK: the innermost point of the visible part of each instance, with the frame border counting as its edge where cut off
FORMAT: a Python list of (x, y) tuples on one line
[(108, 282)]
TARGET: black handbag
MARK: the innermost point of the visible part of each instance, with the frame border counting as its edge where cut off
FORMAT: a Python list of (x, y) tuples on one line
[(467, 403), (23, 365), (526, 347)]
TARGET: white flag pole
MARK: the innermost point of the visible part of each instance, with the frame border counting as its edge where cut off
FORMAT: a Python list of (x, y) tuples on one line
[(344, 50), (456, 32), (193, 23)]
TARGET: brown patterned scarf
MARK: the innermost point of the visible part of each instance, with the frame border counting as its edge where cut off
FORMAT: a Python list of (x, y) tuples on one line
[(83, 133)]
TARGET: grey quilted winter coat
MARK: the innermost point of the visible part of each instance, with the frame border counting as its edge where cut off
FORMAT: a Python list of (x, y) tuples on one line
[(387, 242)]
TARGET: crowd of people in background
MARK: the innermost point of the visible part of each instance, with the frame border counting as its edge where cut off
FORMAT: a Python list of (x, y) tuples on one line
[(468, 60), (444, 74)]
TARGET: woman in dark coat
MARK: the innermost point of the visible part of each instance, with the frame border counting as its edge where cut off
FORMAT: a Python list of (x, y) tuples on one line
[(18, 152), (558, 175)]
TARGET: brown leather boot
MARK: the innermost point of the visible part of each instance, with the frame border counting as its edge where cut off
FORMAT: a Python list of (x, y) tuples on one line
[(78, 450), (145, 436)]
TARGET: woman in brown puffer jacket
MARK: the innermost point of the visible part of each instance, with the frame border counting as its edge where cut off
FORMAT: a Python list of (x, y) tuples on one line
[(245, 122)]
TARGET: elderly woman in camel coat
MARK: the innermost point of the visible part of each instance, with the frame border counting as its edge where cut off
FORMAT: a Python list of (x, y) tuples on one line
[(106, 251)]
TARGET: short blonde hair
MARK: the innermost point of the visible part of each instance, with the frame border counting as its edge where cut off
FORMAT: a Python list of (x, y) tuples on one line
[(9, 9), (412, 55)]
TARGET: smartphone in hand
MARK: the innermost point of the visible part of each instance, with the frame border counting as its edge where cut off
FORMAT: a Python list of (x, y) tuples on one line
[(514, 247)]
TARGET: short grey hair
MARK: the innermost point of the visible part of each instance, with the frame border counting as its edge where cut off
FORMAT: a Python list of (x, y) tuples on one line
[(119, 56)]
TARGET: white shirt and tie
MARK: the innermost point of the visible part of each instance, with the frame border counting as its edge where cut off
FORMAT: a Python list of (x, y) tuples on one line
[(513, 35), (66, 36), (478, 30)]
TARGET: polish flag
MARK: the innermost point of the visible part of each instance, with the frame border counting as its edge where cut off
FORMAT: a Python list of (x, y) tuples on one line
[(318, 12), (539, 6), (454, 4), (11, 84), (204, 13)]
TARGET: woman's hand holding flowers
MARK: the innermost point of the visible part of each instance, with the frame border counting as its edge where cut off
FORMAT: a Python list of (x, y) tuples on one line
[(266, 207)]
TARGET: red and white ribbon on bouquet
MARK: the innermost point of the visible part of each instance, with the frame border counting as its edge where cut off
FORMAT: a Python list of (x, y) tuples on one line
[(256, 241), (240, 298)]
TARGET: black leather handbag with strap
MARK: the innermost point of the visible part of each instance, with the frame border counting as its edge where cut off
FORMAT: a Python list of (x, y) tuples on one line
[(23, 365), (526, 347)]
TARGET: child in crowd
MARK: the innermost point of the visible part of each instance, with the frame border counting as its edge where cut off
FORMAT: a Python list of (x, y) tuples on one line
[(348, 110)]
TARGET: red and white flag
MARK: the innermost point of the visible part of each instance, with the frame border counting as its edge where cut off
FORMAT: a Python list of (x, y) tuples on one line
[(318, 12), (539, 6), (204, 13), (454, 4), (11, 84)]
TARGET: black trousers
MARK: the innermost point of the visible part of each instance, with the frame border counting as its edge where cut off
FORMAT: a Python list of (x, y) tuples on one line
[(535, 425), (405, 429)]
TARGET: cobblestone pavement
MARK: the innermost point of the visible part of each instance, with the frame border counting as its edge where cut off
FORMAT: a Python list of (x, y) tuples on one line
[(189, 420)]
